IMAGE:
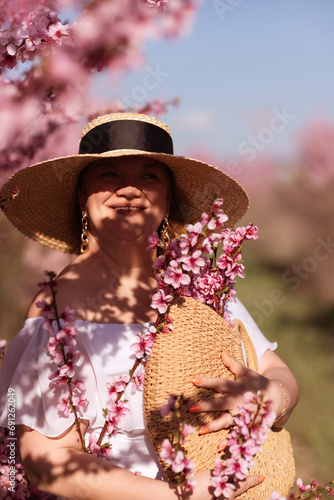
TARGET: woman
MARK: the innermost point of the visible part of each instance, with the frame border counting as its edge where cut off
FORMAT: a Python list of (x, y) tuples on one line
[(124, 184)]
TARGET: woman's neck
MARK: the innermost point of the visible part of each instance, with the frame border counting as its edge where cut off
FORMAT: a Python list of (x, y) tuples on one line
[(129, 256), (107, 285)]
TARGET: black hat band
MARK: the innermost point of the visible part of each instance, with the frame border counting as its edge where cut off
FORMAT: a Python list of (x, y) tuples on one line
[(126, 134)]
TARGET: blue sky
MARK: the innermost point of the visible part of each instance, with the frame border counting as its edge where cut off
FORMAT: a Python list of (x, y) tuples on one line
[(244, 62)]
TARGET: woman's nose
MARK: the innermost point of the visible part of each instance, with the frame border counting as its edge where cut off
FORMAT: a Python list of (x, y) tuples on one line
[(128, 190)]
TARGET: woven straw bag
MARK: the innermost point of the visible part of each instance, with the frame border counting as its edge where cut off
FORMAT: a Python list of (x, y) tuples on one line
[(194, 348)]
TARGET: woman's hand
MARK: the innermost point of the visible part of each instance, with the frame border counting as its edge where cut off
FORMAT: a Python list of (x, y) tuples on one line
[(233, 393)]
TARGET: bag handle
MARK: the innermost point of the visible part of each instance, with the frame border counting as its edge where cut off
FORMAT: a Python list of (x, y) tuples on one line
[(248, 345)]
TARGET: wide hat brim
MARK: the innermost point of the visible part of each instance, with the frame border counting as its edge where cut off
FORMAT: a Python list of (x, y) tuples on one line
[(193, 349), (47, 209)]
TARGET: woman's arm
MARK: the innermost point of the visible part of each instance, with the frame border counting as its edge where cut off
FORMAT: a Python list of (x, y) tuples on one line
[(275, 380), (274, 369), (58, 466)]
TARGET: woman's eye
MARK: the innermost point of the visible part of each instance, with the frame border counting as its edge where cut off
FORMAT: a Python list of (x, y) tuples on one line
[(150, 175), (109, 174)]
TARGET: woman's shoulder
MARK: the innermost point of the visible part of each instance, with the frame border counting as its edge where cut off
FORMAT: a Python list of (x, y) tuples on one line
[(34, 310), (65, 289)]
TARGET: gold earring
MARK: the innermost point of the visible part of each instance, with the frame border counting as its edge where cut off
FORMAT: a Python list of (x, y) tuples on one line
[(84, 234), (165, 236)]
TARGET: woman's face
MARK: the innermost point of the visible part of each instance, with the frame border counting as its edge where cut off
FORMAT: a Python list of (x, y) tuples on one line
[(128, 196)]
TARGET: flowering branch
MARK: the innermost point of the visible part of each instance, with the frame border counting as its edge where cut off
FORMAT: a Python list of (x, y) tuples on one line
[(307, 492), (142, 349), (173, 451), (244, 441), (61, 349), (190, 265), (48, 65)]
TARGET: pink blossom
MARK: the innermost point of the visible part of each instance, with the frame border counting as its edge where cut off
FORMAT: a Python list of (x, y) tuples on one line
[(167, 408), (58, 379), (184, 244), (121, 382), (160, 262), (186, 431), (138, 381), (174, 276), (193, 262), (58, 32), (54, 350), (251, 232), (218, 220), (160, 301), (63, 406), (190, 481), (166, 451), (111, 391), (179, 461), (155, 3), (276, 496), (93, 447), (80, 385), (194, 230), (243, 422), (216, 207), (153, 241), (68, 316), (66, 337), (238, 468), (249, 398), (168, 325), (249, 448), (205, 285), (152, 331), (301, 486), (143, 346), (48, 313), (80, 401), (232, 267), (238, 235), (222, 486), (102, 451), (207, 246), (117, 385), (116, 412), (37, 32), (214, 224), (204, 219), (67, 370)]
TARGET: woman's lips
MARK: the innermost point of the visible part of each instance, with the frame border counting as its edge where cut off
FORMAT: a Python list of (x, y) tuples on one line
[(126, 210)]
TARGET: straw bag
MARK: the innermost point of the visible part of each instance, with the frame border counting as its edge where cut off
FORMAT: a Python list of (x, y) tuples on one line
[(193, 348)]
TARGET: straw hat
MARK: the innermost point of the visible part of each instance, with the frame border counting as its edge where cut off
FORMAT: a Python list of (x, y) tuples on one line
[(47, 209), (200, 334)]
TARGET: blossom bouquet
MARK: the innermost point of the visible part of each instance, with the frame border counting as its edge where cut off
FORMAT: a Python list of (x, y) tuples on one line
[(195, 282)]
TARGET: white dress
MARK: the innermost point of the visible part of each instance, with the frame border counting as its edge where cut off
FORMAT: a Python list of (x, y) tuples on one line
[(105, 352)]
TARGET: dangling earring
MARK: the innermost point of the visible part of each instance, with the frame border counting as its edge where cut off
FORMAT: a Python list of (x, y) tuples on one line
[(84, 233), (165, 236)]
